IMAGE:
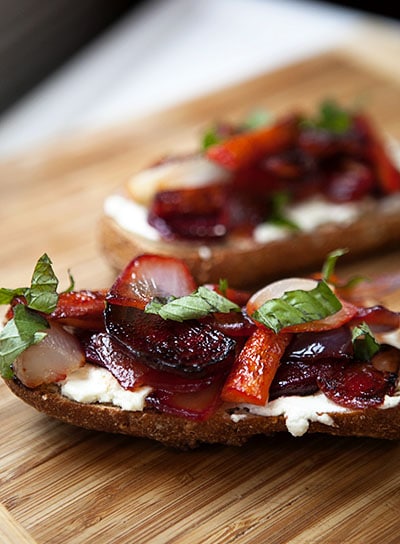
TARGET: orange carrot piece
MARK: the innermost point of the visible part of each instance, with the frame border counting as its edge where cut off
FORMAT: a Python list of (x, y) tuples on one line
[(255, 368), (242, 150)]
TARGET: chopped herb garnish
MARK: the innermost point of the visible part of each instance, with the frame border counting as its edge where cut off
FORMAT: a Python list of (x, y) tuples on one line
[(364, 343), (223, 286), (277, 216), (329, 265), (210, 138), (194, 306), (27, 327), (331, 117), (257, 119), (71, 285), (298, 306), (23, 330), (42, 294)]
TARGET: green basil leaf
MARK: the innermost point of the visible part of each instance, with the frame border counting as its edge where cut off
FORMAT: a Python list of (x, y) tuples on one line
[(7, 295), (331, 117), (298, 306), (210, 138), (277, 216), (194, 306), (25, 329), (71, 285), (223, 286), (257, 119), (364, 343), (330, 263), (42, 295)]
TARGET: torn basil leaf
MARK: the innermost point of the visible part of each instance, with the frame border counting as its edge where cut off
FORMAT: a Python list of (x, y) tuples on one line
[(7, 295), (194, 306), (278, 216), (364, 343), (298, 306), (331, 117), (23, 330), (330, 263), (27, 327), (257, 119), (210, 138), (223, 286), (42, 294)]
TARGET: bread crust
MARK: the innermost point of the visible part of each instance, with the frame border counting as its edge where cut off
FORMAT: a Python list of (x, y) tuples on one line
[(248, 264), (182, 433)]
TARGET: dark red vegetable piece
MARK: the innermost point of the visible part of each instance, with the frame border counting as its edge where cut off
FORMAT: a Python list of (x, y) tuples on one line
[(379, 318), (314, 347), (82, 309), (295, 378), (357, 386), (351, 182), (190, 213), (103, 350), (188, 348), (197, 406)]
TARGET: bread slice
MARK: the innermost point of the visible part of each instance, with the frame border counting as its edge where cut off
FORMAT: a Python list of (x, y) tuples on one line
[(221, 428), (246, 263)]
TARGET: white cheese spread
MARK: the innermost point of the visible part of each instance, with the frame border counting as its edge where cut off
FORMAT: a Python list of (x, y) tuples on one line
[(130, 216), (300, 411), (90, 384)]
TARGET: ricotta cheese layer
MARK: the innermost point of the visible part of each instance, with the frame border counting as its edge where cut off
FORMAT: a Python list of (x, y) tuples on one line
[(92, 384), (132, 217)]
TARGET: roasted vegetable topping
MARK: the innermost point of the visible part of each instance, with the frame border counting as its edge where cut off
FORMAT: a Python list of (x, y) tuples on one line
[(335, 154), (199, 346)]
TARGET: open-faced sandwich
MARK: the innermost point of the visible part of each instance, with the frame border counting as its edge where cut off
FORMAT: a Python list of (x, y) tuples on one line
[(254, 203), (161, 357)]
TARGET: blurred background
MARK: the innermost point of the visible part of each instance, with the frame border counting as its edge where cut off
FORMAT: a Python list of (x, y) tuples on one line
[(57, 55)]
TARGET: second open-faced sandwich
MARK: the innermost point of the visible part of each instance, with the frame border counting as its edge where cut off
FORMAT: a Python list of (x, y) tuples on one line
[(260, 200)]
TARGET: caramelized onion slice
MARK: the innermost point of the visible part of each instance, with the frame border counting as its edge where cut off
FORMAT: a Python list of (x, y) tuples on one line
[(51, 360)]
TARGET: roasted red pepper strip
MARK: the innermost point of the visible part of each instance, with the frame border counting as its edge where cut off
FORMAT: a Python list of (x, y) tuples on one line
[(242, 150), (255, 368), (83, 309)]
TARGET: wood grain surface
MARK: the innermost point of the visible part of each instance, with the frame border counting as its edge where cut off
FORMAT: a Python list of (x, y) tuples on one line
[(63, 484)]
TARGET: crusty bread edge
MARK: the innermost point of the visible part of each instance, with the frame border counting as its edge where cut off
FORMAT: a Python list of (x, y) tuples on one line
[(182, 433), (246, 263)]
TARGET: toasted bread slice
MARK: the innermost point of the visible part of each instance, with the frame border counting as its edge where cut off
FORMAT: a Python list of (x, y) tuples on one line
[(226, 426), (246, 263)]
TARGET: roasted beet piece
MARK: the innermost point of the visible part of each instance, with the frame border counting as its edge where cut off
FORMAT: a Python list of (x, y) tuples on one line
[(103, 350), (357, 386), (296, 378), (350, 182), (190, 213), (379, 318), (331, 344), (188, 348)]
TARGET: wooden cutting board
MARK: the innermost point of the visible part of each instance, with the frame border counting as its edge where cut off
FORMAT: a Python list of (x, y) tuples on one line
[(63, 484)]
